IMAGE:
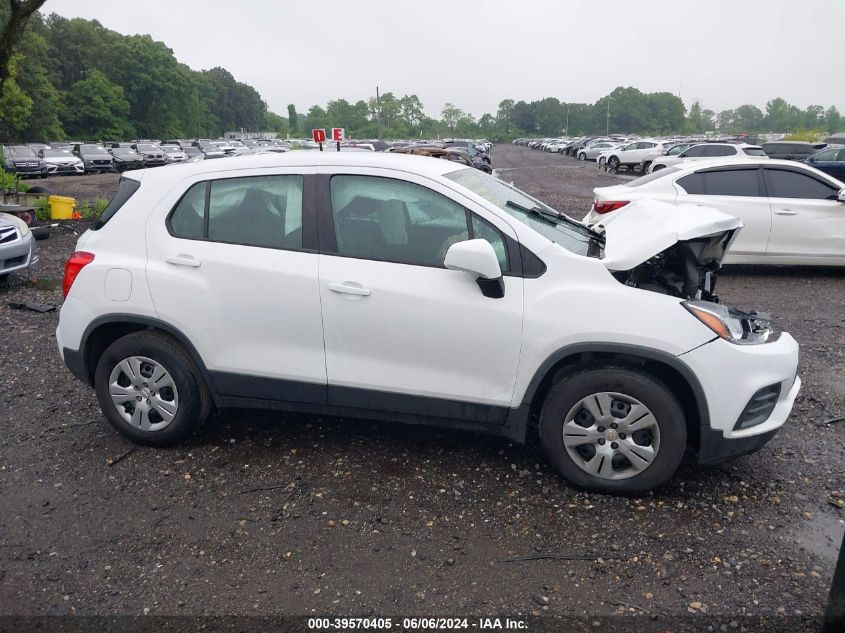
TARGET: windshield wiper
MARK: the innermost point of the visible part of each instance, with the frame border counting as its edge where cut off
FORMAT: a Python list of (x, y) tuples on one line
[(557, 217)]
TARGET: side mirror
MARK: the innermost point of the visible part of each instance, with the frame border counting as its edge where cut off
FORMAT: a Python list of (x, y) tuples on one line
[(840, 197), (478, 258)]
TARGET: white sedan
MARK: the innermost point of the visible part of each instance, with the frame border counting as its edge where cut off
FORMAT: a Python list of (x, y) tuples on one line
[(792, 213), (709, 151)]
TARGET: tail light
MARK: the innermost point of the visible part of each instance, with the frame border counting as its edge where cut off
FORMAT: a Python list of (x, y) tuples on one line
[(606, 206), (75, 263)]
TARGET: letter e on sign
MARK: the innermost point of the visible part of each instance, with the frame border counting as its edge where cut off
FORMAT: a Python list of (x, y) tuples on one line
[(337, 134), (319, 135)]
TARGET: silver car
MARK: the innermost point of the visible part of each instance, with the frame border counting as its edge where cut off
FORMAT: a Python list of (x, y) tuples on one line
[(17, 245)]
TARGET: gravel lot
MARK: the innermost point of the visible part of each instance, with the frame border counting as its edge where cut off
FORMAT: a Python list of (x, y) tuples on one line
[(268, 514)]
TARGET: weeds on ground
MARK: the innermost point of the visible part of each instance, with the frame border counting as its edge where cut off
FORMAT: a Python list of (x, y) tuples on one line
[(94, 208), (42, 209)]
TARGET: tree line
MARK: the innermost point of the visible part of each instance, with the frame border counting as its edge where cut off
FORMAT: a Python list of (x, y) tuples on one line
[(74, 78)]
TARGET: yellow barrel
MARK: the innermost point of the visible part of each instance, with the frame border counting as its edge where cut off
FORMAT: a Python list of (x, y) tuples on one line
[(61, 207)]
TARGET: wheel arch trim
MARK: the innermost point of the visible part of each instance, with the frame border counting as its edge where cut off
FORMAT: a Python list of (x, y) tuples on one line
[(554, 360), (146, 323)]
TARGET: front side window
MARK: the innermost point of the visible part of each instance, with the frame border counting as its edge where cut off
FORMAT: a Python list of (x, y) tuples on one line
[(790, 184), (261, 211), (828, 154), (696, 151), (393, 220)]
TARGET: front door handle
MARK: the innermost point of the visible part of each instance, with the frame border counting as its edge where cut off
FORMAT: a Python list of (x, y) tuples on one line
[(786, 212), (349, 289), (182, 260)]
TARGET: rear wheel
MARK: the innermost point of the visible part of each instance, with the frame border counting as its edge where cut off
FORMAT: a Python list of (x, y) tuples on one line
[(150, 389), (613, 430), (646, 165), (613, 162), (582, 156)]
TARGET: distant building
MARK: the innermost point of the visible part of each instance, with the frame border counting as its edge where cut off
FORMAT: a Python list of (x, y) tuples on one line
[(239, 136)]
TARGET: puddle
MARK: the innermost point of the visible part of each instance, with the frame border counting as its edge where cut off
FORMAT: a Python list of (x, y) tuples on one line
[(46, 284), (822, 536)]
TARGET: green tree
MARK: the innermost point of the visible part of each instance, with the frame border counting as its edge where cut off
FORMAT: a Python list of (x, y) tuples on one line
[(15, 106), (292, 121), (748, 118), (14, 20), (277, 124), (317, 118), (832, 120), (523, 118), (451, 116), (97, 109)]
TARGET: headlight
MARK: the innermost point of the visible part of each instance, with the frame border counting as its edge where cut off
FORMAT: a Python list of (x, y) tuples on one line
[(23, 229), (731, 324)]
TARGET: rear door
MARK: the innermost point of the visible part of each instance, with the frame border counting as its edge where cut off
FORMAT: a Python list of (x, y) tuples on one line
[(808, 223), (232, 263), (738, 191), (402, 332)]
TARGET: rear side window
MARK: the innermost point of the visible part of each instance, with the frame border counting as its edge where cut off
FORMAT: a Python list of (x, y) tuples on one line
[(756, 151), (790, 184), (261, 211), (828, 154), (734, 182), (125, 189), (697, 151)]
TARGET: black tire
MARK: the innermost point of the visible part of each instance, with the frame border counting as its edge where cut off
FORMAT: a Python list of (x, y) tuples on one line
[(194, 399), (582, 156), (39, 189), (632, 382), (613, 162), (645, 167)]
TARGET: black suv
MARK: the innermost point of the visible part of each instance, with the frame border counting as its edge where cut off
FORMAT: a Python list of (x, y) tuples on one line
[(23, 161), (792, 150)]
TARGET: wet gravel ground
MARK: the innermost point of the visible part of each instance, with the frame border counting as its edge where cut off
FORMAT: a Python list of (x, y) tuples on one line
[(266, 513)]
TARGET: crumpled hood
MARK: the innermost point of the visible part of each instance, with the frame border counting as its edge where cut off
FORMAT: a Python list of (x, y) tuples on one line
[(644, 228)]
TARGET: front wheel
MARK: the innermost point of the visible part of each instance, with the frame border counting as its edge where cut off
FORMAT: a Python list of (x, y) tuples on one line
[(657, 168), (582, 156), (613, 162), (150, 389), (613, 430)]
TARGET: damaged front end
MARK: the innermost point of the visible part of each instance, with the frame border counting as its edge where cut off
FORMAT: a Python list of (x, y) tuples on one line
[(677, 250)]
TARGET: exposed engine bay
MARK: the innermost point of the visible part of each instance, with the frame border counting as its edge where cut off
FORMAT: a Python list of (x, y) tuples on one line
[(688, 270)]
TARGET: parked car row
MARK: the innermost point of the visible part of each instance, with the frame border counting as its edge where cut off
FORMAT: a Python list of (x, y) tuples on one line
[(652, 154)]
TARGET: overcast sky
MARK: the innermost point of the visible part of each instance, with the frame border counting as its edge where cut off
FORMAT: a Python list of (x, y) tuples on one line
[(474, 53)]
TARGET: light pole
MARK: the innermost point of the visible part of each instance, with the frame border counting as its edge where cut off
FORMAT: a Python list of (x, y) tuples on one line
[(607, 127), (567, 119)]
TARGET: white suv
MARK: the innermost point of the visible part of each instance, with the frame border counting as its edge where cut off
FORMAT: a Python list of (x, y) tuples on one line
[(406, 288)]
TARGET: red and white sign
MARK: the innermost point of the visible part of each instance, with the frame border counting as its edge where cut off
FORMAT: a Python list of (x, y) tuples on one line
[(319, 135), (337, 134)]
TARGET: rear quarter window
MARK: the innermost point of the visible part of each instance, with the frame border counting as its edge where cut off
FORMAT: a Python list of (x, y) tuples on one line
[(125, 190)]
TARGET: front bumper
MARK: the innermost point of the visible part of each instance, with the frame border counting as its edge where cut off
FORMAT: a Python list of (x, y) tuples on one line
[(64, 168), (17, 255), (730, 375)]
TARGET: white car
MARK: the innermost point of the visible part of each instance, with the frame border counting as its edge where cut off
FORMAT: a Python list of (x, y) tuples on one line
[(672, 149), (17, 246), (792, 213), (631, 154), (592, 152), (709, 151), (407, 288), (61, 161)]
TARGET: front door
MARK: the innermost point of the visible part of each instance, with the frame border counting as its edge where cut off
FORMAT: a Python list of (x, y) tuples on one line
[(402, 332)]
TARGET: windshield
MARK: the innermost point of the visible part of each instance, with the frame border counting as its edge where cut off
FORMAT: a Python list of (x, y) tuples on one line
[(56, 153), (21, 151), (171, 149), (147, 147), (554, 226), (122, 151), (92, 149)]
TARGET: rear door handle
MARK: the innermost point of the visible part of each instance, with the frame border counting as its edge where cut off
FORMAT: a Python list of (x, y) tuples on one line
[(349, 289), (786, 212), (182, 260)]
